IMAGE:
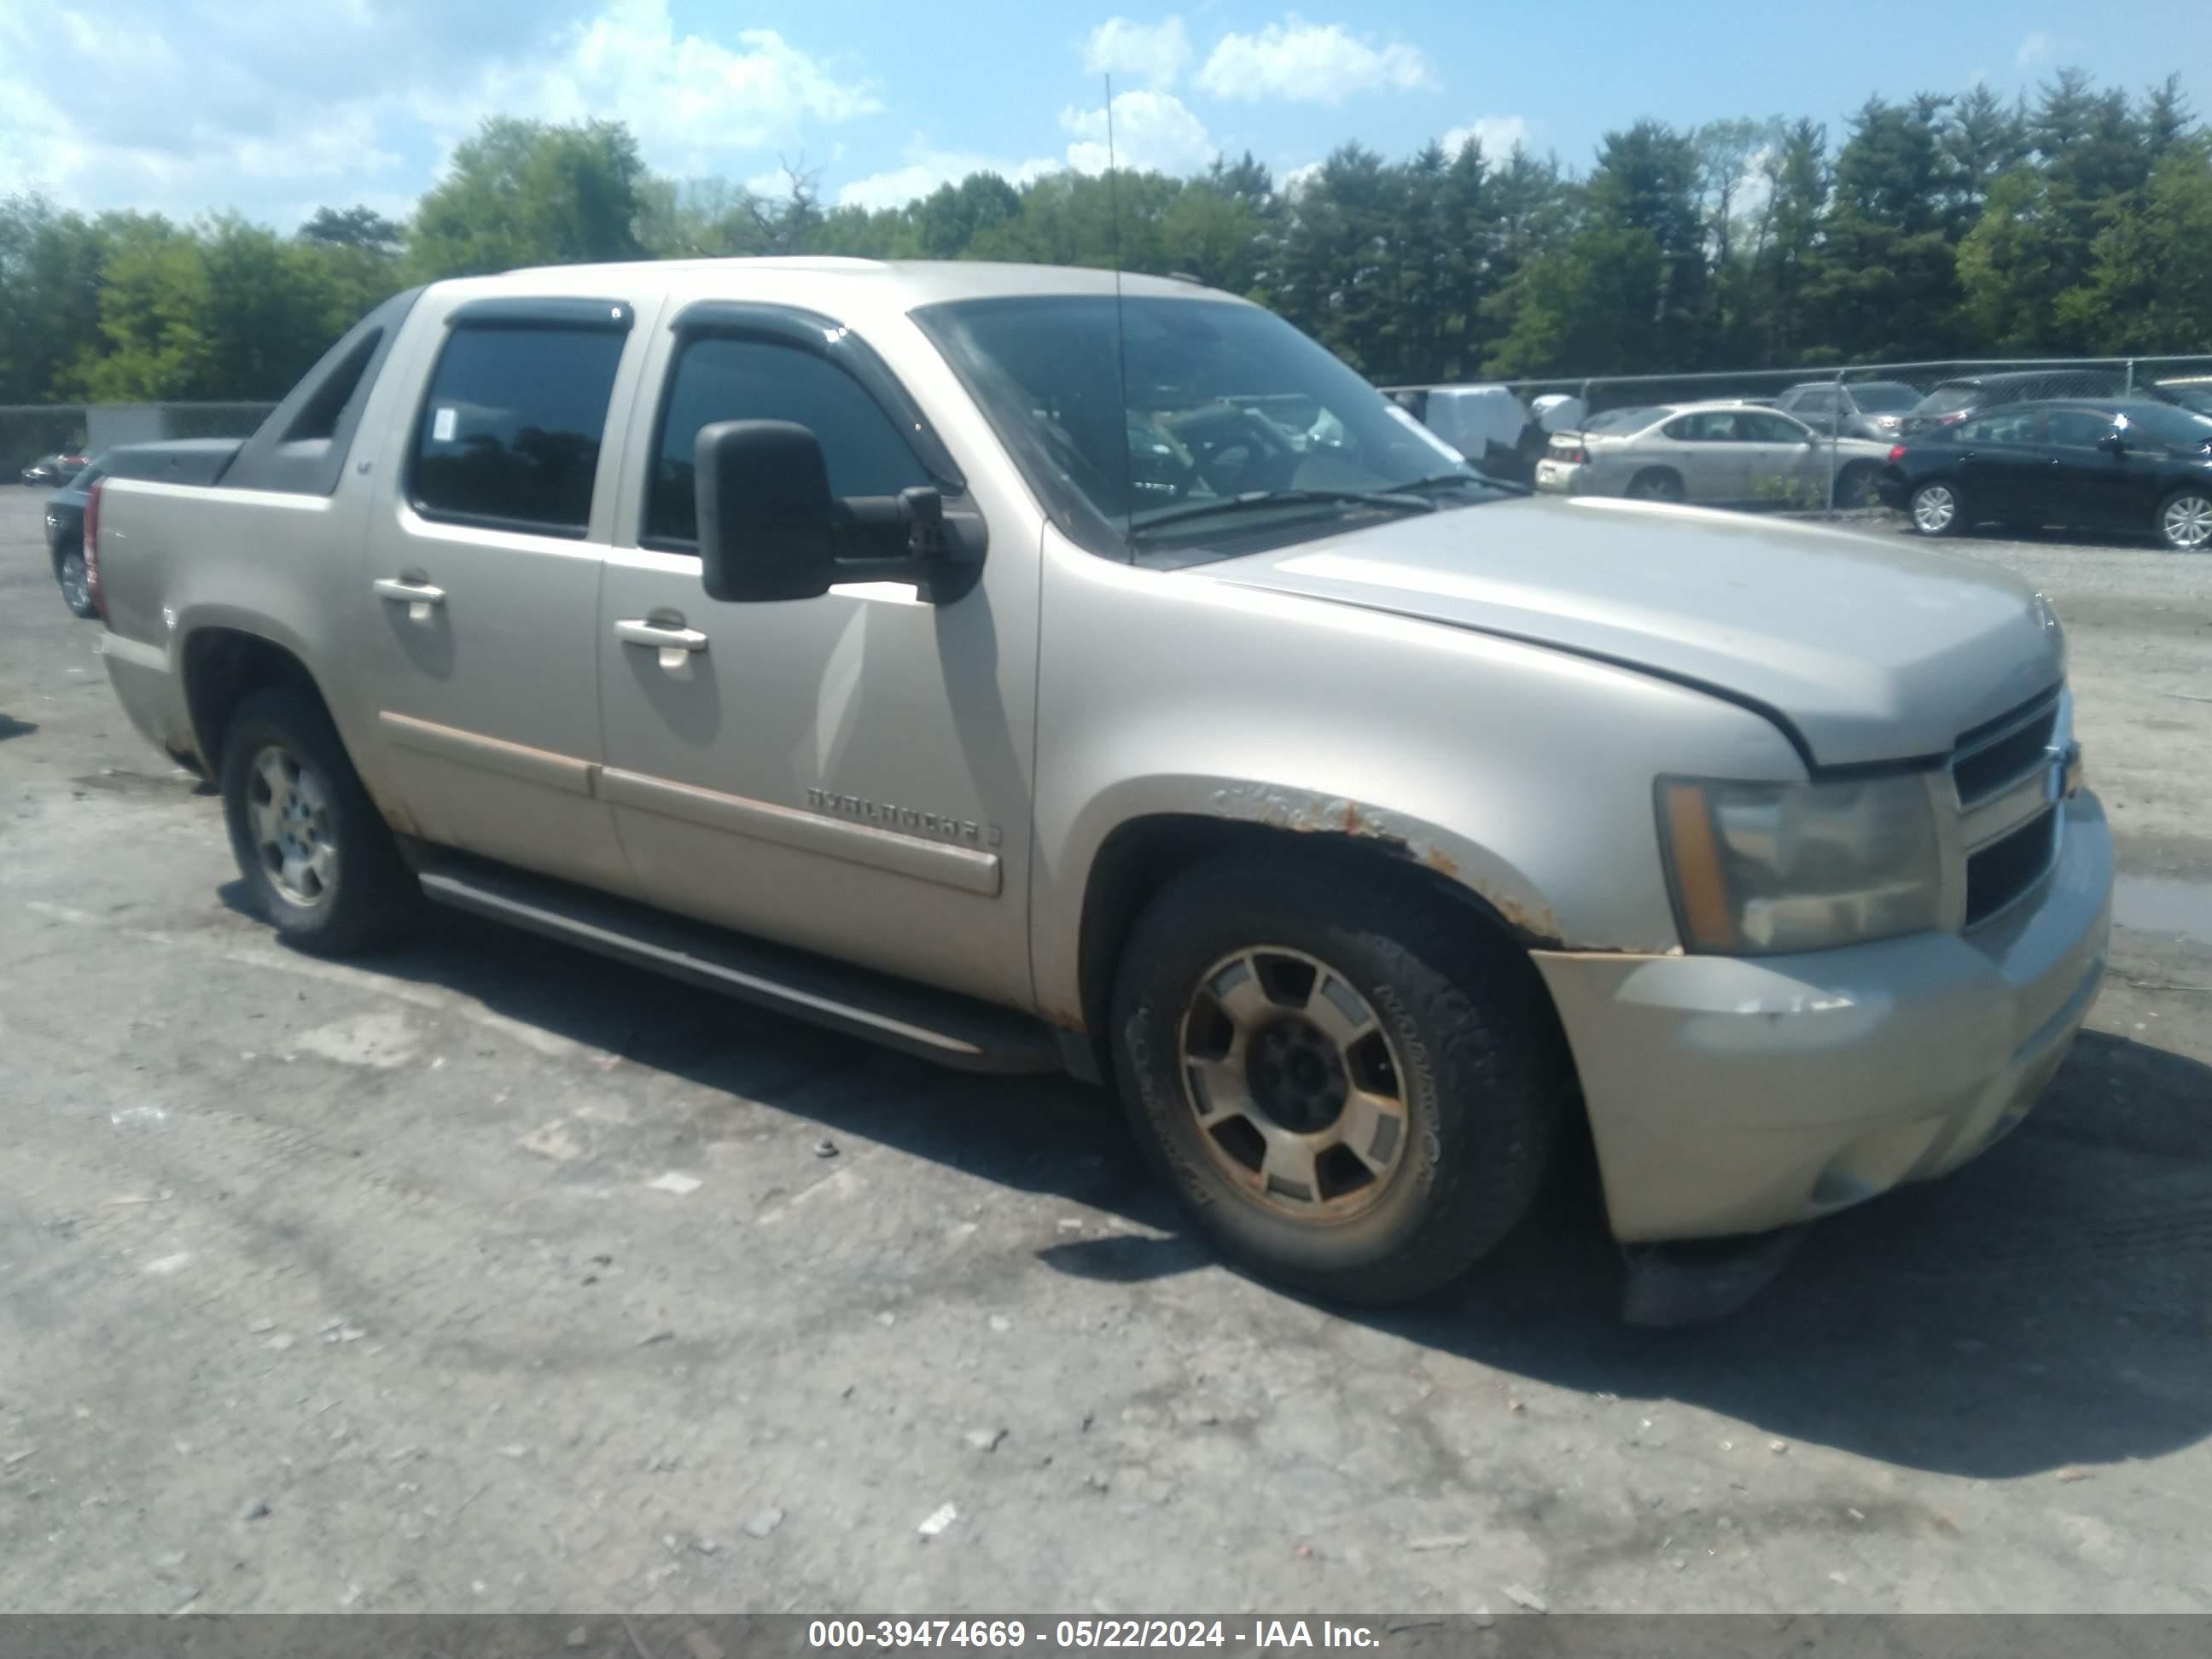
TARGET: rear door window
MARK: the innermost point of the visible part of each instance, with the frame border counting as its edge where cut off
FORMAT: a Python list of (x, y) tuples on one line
[(2015, 426), (509, 435), (1763, 428)]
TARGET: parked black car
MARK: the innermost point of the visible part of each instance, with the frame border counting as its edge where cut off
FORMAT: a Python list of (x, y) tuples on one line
[(65, 536), (2194, 393), (1866, 409), (51, 469), (1953, 400), (2133, 465)]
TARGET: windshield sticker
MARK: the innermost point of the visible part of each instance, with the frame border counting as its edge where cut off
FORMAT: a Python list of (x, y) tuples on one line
[(441, 425)]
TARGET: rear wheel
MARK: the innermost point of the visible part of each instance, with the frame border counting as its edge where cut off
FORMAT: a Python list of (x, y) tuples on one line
[(1936, 508), (316, 857), (1656, 484), (2185, 521), (1353, 1089), (1855, 485), (76, 579)]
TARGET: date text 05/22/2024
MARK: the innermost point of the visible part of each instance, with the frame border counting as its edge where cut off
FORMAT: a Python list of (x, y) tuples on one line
[(1260, 1635)]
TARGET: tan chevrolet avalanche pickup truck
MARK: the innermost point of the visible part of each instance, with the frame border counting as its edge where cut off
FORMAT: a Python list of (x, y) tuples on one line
[(1035, 673)]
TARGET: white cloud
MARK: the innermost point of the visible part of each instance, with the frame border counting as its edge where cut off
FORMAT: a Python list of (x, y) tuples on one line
[(1497, 133), (2034, 49), (690, 100), (1294, 182), (925, 169), (1153, 132), (1154, 52), (1309, 62), (183, 104)]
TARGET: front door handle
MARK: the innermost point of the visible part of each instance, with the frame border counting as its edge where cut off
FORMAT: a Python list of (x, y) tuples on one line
[(637, 630), (404, 590)]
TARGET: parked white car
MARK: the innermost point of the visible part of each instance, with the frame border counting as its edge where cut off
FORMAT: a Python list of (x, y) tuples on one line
[(1719, 454)]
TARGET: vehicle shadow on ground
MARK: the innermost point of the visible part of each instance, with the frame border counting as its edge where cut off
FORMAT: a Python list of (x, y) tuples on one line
[(2048, 1305)]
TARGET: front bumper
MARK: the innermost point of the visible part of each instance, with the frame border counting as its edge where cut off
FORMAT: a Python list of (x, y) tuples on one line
[(1735, 1095)]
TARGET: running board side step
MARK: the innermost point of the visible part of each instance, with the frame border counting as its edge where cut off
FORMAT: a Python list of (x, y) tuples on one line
[(943, 1026)]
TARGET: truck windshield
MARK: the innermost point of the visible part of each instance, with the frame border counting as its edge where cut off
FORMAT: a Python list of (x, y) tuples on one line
[(1226, 403)]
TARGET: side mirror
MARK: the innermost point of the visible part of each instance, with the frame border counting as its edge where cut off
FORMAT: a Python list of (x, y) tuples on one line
[(2112, 444), (766, 529), (770, 529)]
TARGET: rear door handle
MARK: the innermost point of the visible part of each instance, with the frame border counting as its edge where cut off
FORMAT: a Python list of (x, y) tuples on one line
[(636, 630), (401, 591)]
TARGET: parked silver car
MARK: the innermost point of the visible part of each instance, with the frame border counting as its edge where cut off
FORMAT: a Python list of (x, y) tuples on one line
[(1719, 454), (1873, 409)]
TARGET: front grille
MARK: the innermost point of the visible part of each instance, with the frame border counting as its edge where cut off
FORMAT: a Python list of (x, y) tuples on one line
[(2006, 750), (2008, 867), (2007, 774)]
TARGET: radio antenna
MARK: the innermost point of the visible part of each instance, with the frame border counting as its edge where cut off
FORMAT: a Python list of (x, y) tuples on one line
[(1120, 437)]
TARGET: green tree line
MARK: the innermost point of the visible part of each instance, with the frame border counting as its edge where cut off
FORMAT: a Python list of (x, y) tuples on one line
[(2076, 222)]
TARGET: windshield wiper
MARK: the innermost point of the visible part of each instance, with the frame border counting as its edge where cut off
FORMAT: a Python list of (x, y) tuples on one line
[(1438, 480), (1255, 498)]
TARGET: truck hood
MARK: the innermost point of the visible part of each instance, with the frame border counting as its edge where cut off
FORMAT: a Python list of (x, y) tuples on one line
[(1860, 647)]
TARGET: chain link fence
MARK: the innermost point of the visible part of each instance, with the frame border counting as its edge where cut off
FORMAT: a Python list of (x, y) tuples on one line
[(1714, 438), (30, 431)]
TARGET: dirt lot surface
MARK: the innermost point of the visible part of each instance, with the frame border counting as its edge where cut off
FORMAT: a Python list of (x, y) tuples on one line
[(365, 1286)]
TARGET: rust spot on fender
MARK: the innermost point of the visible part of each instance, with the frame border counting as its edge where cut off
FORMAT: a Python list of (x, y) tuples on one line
[(1540, 926), (1302, 813)]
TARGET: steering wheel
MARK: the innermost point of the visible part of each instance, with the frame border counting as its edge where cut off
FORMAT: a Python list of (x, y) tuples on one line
[(1233, 450)]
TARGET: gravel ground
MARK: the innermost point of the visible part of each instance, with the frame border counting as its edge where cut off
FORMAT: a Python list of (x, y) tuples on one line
[(487, 1275)]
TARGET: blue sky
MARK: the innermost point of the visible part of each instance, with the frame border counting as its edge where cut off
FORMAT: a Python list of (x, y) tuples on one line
[(275, 107)]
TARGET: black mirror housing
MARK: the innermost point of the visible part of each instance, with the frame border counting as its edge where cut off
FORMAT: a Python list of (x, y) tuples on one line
[(767, 527), (770, 529), (2112, 444)]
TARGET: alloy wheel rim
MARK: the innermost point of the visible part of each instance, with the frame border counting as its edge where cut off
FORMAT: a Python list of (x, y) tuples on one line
[(1934, 507), (290, 806), (1296, 1085), (2189, 522)]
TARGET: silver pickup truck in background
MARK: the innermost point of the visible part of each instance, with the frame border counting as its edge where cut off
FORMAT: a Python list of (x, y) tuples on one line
[(1036, 672)]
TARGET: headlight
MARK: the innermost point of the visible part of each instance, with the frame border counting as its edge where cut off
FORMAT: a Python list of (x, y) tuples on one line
[(1760, 868)]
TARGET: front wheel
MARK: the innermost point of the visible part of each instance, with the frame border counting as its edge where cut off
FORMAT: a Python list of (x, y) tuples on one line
[(315, 855), (2185, 521), (1937, 510), (1354, 1089), (1655, 484)]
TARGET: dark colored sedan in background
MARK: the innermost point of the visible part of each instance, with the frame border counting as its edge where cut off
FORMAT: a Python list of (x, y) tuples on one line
[(1955, 399), (49, 469), (2103, 464), (65, 536)]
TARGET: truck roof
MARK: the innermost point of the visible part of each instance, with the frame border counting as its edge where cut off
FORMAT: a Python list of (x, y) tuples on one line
[(906, 283)]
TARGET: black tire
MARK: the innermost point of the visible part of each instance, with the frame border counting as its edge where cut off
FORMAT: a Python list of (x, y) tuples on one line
[(1922, 508), (75, 585), (368, 895), (1855, 485), (1478, 1064), (2182, 529), (1656, 484)]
